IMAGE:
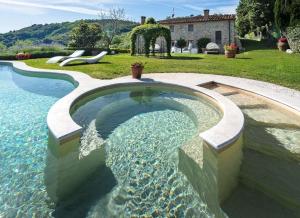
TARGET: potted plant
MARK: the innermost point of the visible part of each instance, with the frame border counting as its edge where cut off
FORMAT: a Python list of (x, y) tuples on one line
[(137, 70), (230, 50), (282, 44)]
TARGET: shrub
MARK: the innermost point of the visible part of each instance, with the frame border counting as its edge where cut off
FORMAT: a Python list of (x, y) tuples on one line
[(293, 35), (201, 43), (120, 50)]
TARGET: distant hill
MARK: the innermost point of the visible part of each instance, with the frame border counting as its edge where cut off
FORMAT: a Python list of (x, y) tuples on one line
[(51, 33)]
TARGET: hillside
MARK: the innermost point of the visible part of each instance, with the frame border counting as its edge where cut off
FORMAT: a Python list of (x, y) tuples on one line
[(51, 33)]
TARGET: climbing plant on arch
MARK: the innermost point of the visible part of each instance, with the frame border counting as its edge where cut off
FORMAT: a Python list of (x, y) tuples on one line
[(150, 32)]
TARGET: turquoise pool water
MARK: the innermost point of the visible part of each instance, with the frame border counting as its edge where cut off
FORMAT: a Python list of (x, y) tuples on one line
[(24, 104), (141, 130)]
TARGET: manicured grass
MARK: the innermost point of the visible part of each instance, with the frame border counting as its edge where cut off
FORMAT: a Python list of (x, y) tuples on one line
[(268, 65)]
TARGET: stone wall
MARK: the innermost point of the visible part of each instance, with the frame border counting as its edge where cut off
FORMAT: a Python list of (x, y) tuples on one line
[(207, 30)]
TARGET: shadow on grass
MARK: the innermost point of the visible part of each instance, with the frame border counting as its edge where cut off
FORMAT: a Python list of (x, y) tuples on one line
[(82, 64), (243, 58), (185, 58), (264, 44)]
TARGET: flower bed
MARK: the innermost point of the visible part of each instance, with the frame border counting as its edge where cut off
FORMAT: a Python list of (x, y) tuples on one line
[(23, 56)]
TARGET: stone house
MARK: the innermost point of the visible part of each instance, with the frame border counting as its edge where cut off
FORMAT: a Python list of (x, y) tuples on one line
[(220, 28)]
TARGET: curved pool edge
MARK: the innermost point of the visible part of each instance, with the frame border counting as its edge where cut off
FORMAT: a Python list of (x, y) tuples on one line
[(55, 116), (63, 128), (224, 133)]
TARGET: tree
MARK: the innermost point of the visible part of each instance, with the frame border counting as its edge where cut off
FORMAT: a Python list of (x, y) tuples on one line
[(181, 43), (242, 21), (287, 13), (85, 35), (112, 25), (150, 20), (255, 16)]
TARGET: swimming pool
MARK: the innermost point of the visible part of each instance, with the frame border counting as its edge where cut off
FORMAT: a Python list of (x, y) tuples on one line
[(136, 150), (25, 102)]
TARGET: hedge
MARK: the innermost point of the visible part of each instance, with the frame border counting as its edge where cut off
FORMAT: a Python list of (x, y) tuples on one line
[(38, 54)]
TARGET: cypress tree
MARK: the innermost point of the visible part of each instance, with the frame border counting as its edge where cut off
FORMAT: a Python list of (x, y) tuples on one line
[(287, 13)]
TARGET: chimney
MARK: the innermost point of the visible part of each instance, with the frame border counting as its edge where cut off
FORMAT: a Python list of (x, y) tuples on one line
[(143, 20), (206, 13)]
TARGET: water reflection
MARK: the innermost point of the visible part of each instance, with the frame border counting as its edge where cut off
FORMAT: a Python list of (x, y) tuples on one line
[(41, 86)]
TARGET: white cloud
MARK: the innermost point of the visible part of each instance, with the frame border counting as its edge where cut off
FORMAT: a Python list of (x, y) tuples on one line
[(230, 9), (45, 5), (20, 10)]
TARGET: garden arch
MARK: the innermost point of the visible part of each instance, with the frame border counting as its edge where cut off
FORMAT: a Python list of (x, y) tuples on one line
[(150, 32)]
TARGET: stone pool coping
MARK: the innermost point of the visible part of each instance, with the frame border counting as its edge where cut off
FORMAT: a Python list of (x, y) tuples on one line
[(286, 96)]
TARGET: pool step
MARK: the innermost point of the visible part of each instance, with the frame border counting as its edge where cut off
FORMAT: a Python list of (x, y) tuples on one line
[(282, 143), (277, 178), (271, 161), (254, 204)]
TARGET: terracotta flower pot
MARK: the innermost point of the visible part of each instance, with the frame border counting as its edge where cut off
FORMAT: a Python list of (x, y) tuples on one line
[(230, 54), (282, 46), (137, 71)]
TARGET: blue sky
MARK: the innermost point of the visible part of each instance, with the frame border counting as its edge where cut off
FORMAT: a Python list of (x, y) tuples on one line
[(16, 14)]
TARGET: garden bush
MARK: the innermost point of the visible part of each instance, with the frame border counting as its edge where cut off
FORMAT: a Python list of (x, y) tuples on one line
[(201, 43), (120, 50), (293, 35)]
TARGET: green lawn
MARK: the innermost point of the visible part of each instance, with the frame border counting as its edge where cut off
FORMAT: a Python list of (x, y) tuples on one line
[(262, 64)]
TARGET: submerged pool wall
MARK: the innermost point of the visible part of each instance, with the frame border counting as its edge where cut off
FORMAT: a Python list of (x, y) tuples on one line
[(215, 175), (67, 168)]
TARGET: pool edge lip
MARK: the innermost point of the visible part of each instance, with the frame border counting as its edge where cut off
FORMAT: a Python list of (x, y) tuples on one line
[(64, 128)]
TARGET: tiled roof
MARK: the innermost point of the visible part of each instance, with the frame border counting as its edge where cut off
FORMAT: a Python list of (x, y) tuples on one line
[(199, 18)]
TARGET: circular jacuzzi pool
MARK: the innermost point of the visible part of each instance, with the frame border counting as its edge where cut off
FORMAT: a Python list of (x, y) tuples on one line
[(141, 129)]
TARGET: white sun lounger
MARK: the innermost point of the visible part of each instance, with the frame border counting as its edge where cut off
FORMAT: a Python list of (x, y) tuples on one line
[(91, 60), (57, 59)]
